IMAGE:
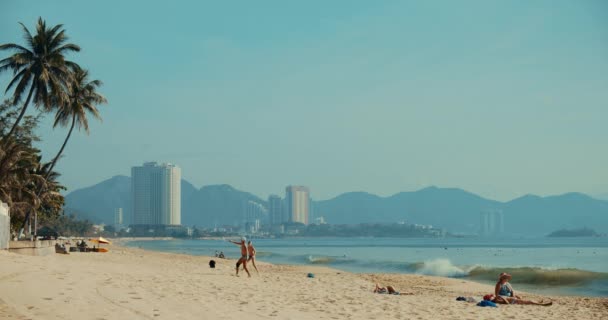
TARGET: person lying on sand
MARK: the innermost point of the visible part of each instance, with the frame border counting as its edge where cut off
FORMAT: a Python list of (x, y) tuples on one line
[(504, 293), (389, 290)]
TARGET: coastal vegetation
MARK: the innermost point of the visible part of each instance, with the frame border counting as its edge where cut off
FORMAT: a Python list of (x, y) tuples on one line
[(566, 233), (46, 79)]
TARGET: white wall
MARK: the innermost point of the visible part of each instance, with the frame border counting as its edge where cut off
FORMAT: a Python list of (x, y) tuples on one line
[(5, 226)]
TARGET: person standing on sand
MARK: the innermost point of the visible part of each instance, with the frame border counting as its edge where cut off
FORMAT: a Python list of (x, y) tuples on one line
[(251, 249), (243, 258)]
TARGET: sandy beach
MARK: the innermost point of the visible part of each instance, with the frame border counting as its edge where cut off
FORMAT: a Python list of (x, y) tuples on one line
[(129, 283)]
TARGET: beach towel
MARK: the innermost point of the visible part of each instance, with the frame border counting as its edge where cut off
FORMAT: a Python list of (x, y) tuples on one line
[(486, 303)]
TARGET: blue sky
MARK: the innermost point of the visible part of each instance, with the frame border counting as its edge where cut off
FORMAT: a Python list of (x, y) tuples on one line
[(501, 98)]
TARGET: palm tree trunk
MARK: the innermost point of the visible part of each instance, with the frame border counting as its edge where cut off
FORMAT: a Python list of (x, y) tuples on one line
[(22, 113), (48, 173)]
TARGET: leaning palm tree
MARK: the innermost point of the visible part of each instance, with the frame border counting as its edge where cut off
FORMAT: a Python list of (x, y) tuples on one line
[(39, 68), (82, 100)]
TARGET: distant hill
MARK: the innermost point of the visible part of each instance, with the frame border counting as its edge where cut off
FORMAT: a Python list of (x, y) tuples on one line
[(210, 205), (542, 215), (603, 196), (216, 204), (454, 209), (459, 211), (97, 203)]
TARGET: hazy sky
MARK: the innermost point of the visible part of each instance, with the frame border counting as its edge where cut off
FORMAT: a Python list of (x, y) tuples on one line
[(501, 98)]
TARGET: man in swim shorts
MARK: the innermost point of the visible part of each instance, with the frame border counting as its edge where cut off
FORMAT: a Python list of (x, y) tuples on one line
[(243, 258)]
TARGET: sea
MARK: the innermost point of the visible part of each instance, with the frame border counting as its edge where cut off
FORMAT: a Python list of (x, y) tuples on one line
[(557, 266)]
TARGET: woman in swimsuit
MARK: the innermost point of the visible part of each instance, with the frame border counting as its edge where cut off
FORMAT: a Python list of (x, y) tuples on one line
[(251, 250), (504, 293)]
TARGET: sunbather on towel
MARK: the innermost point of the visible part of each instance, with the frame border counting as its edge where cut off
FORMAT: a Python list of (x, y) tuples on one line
[(389, 290)]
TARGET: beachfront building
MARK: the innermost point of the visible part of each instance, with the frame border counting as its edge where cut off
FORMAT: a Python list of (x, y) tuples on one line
[(297, 202), (275, 210), (156, 194)]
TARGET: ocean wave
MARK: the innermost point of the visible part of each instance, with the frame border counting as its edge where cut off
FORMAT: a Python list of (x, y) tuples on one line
[(328, 259), (536, 276), (439, 267), (522, 275), (540, 276), (266, 254)]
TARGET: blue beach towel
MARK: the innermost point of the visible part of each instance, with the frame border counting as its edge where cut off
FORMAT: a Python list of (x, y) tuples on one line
[(486, 303)]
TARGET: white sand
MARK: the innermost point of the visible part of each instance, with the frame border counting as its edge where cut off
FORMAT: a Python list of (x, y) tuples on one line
[(129, 283)]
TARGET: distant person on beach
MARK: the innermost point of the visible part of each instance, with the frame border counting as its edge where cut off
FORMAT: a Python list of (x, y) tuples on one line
[(222, 256), (243, 258), (504, 293), (389, 290), (251, 250)]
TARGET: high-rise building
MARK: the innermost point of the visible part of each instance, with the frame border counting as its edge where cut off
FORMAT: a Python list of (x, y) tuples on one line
[(275, 210), (156, 194), (118, 219), (255, 213), (297, 202), (491, 223)]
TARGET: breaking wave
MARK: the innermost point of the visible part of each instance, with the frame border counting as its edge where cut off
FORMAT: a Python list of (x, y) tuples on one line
[(445, 268), (540, 276)]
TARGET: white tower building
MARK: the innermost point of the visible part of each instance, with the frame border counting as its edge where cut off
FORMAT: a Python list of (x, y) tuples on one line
[(156, 194), (297, 200)]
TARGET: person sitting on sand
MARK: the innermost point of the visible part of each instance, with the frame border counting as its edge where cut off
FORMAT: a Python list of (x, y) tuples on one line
[(504, 293), (243, 258), (503, 287), (222, 256), (251, 250), (389, 290)]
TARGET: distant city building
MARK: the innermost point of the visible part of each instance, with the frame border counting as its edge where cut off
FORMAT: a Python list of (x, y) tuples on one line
[(118, 221), (156, 194), (275, 210), (320, 220), (297, 202), (491, 223), (255, 213)]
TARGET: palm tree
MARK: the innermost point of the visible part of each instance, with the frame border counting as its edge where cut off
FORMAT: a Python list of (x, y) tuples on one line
[(82, 100), (41, 66), (18, 181)]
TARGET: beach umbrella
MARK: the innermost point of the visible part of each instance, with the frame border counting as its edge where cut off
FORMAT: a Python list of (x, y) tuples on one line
[(101, 240)]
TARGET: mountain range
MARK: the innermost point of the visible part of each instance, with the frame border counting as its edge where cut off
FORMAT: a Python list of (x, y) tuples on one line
[(456, 210)]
